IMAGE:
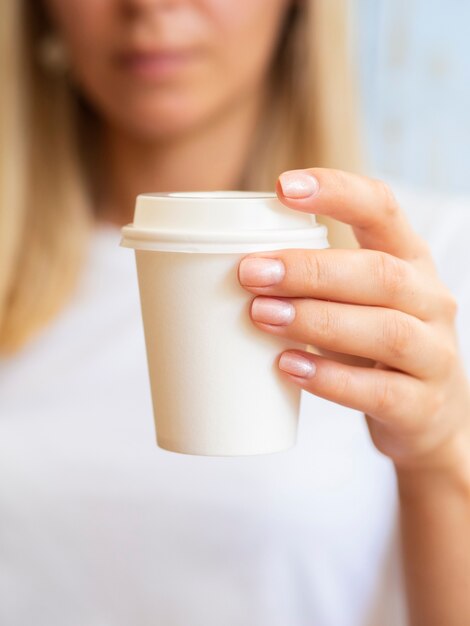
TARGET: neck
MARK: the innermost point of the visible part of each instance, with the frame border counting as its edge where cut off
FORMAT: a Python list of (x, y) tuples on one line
[(211, 157)]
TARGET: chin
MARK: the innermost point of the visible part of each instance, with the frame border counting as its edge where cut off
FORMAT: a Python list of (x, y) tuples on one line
[(157, 120), (151, 131)]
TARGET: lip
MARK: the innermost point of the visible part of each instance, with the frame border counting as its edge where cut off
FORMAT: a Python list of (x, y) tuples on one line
[(154, 64)]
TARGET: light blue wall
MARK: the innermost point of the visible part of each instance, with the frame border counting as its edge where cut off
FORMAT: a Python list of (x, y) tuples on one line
[(415, 73)]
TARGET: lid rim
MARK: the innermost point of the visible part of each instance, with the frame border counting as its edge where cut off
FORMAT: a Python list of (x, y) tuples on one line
[(224, 195), (132, 233), (222, 247)]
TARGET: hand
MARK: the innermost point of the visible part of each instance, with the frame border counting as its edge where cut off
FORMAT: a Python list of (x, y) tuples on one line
[(384, 303)]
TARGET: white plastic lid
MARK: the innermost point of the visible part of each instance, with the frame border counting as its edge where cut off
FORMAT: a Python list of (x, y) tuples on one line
[(219, 221)]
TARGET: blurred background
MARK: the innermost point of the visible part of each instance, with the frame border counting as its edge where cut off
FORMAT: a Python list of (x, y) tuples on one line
[(415, 76)]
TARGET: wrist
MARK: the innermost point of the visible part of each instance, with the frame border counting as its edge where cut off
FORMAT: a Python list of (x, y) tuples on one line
[(448, 467)]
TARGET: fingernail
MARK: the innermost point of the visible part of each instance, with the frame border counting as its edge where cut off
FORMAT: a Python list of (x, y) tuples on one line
[(272, 311), (260, 272), (297, 365), (298, 184)]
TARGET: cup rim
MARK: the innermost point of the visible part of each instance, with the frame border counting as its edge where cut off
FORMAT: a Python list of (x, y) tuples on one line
[(179, 196)]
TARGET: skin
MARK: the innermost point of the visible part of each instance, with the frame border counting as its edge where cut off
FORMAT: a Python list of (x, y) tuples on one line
[(384, 302), (228, 46), (169, 129), (382, 321)]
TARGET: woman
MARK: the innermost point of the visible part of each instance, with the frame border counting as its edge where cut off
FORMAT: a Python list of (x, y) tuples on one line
[(106, 100)]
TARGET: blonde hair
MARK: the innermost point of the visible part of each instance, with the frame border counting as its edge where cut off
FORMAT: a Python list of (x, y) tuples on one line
[(45, 207)]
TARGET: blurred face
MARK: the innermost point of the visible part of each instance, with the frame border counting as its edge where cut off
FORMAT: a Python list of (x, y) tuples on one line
[(159, 67)]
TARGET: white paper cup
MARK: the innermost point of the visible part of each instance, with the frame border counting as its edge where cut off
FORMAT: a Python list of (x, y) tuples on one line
[(216, 386)]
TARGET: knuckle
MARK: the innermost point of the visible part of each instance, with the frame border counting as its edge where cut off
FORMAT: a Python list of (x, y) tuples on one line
[(313, 270), (342, 384), (421, 255), (342, 182), (326, 323), (424, 250), (448, 355), (449, 305), (390, 273), (397, 333), (383, 396), (388, 199), (436, 400)]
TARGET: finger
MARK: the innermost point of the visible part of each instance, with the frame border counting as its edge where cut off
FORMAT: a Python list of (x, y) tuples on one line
[(391, 397), (349, 359), (353, 276), (366, 204), (399, 340)]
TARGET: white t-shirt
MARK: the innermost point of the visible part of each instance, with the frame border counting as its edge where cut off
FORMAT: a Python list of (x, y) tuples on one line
[(99, 527)]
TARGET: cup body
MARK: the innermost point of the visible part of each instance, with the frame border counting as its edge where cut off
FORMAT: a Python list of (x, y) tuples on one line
[(215, 383), (216, 386)]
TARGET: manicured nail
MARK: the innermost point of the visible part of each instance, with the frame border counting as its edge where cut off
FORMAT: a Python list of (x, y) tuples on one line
[(297, 365), (272, 311), (260, 272), (298, 184)]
